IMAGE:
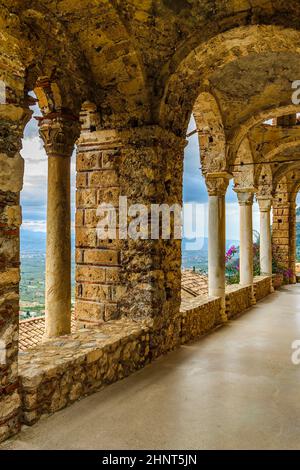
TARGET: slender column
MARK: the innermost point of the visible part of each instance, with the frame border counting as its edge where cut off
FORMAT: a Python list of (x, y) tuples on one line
[(59, 135), (217, 184), (265, 205), (246, 237)]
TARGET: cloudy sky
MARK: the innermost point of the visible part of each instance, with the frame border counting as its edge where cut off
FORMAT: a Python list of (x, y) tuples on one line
[(34, 194)]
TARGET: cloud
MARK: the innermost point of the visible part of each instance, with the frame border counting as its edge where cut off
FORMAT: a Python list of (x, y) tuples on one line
[(34, 225), (194, 189), (34, 193)]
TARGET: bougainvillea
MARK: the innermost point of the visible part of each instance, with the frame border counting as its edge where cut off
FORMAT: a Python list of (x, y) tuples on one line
[(232, 262), (232, 268)]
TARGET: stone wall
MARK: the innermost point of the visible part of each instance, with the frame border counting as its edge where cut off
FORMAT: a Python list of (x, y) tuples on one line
[(12, 121), (262, 286), (199, 316), (58, 372), (237, 300), (283, 227), (277, 280), (98, 261)]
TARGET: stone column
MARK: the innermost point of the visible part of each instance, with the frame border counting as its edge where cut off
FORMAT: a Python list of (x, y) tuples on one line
[(245, 199), (13, 118), (217, 184), (59, 134), (265, 205)]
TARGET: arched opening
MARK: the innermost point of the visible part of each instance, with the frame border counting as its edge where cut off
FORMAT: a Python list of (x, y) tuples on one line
[(195, 200)]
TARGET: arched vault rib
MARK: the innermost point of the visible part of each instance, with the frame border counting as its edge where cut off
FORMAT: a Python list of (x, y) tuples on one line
[(270, 142), (196, 70), (97, 62), (211, 134), (238, 133), (283, 171)]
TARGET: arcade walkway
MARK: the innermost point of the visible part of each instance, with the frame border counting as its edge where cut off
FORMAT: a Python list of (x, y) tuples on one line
[(235, 388)]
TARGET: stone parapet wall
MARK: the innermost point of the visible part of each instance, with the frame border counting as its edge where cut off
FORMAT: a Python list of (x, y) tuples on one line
[(277, 280), (199, 316), (237, 300), (262, 286), (58, 372)]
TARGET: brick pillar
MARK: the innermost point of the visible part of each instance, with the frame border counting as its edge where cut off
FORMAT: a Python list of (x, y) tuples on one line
[(282, 232), (293, 241), (135, 278), (12, 121), (97, 261)]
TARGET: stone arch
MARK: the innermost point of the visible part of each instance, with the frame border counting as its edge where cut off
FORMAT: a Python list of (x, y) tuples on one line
[(264, 179), (211, 134), (194, 70), (269, 141), (282, 171), (99, 63), (279, 148), (238, 133), (295, 190), (243, 167)]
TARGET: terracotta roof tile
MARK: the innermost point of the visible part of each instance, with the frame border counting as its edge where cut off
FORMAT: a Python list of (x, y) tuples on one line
[(193, 284), (31, 332)]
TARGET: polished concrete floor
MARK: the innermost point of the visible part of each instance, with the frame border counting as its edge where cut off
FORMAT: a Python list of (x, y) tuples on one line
[(237, 388)]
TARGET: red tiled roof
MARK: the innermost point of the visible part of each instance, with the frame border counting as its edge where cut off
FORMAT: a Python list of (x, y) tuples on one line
[(31, 332), (193, 284)]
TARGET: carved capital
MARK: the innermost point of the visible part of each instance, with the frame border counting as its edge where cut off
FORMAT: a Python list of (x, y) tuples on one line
[(245, 196), (217, 183), (59, 134), (264, 203)]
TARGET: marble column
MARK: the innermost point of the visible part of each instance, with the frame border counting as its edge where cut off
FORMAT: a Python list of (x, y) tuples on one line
[(59, 135), (245, 198), (217, 184), (265, 205)]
